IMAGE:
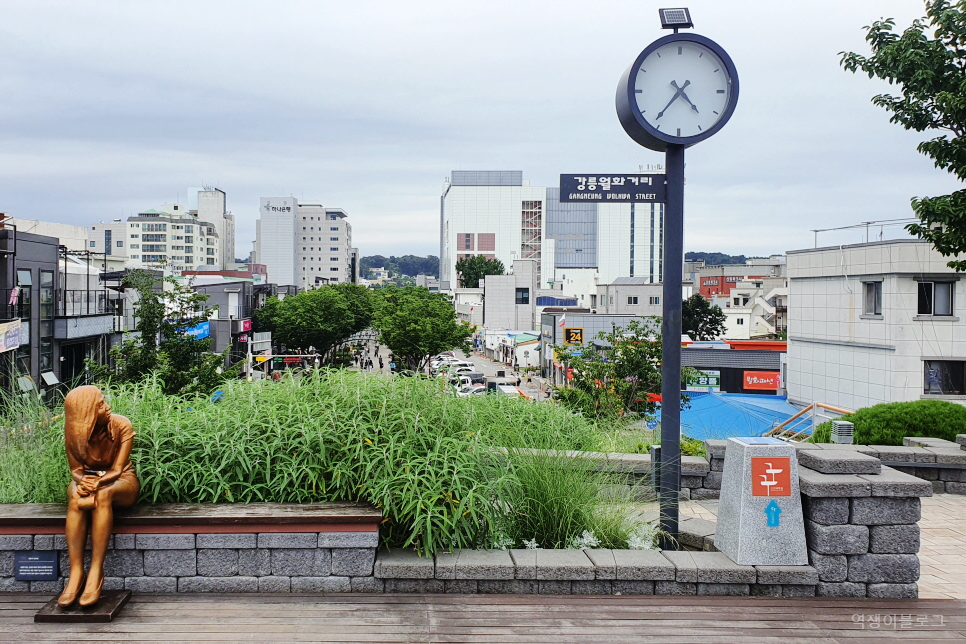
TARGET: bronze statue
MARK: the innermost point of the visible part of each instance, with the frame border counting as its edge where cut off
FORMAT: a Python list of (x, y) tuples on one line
[(99, 453)]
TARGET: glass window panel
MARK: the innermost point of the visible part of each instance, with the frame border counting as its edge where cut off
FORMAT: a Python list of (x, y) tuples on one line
[(925, 298), (25, 277), (943, 296)]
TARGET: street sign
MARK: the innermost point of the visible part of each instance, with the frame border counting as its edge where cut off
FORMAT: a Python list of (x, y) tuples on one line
[(651, 424), (613, 188), (704, 381), (573, 335)]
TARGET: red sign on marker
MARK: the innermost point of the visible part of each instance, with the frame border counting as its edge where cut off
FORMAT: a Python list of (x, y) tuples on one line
[(771, 476)]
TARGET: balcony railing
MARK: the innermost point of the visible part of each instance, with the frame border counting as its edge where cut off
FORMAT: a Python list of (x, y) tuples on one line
[(12, 311), (78, 303)]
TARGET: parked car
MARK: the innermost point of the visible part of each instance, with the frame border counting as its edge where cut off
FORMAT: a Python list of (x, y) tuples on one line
[(471, 390)]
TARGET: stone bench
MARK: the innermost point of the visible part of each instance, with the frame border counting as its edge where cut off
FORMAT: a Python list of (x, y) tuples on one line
[(258, 547)]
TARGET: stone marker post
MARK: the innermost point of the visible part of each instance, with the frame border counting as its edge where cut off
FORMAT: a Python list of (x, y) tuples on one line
[(760, 512)]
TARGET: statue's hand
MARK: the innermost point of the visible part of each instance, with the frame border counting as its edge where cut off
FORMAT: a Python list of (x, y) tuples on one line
[(88, 485)]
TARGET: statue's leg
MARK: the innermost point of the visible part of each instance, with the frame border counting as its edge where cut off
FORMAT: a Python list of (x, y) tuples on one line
[(123, 494), (76, 535)]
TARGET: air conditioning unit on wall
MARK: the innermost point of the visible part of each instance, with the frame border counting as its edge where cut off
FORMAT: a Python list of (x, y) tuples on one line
[(842, 432)]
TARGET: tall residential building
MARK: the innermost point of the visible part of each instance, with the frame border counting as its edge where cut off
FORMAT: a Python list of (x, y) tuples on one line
[(211, 208), (576, 245), (305, 244)]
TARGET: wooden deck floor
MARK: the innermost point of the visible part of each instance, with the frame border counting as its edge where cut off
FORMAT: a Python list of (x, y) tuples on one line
[(497, 619)]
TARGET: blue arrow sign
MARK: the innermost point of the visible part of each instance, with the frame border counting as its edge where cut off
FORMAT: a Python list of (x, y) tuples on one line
[(651, 424), (773, 511)]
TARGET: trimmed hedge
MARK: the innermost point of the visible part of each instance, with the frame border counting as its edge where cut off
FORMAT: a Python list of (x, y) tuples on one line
[(889, 423)]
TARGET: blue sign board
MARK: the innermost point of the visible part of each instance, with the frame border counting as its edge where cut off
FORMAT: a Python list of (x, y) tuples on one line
[(651, 424), (773, 512), (199, 331), (613, 188)]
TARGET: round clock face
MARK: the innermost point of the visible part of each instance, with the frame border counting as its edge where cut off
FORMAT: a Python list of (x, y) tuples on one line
[(681, 89)]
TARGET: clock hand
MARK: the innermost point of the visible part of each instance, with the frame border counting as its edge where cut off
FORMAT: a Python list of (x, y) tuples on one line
[(685, 96), (679, 92)]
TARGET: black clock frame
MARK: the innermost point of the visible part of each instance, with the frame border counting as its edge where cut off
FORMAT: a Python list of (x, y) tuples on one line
[(639, 129)]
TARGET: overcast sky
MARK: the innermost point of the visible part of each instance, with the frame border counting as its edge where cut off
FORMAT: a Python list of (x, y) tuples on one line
[(108, 108)]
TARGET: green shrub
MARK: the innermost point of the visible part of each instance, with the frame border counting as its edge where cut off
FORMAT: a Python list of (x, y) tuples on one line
[(888, 423)]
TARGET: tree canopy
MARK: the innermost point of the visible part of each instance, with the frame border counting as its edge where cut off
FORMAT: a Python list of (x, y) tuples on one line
[(717, 259), (406, 265), (700, 320), (470, 270), (415, 324), (928, 64)]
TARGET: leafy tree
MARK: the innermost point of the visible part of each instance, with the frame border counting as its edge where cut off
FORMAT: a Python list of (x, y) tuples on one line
[(700, 320), (416, 324), (470, 270), (718, 259), (407, 264), (928, 64), (612, 376), (162, 346)]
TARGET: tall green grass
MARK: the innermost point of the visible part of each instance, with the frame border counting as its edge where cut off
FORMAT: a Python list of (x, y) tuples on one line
[(429, 460)]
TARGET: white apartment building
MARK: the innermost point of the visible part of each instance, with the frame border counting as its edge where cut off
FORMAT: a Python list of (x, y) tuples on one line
[(172, 238), (629, 296), (211, 208), (73, 237), (305, 244), (875, 322), (575, 245), (755, 308)]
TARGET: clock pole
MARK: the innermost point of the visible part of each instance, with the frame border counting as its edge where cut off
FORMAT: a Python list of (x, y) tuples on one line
[(670, 470)]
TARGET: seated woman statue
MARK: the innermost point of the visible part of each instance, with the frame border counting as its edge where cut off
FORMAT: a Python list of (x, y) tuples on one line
[(99, 453)]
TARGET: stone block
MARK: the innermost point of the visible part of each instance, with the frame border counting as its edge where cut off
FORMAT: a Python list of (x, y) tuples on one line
[(717, 465), (366, 585), (47, 586), (893, 591), (694, 466), (895, 483), (766, 590), (330, 584), (718, 568), (831, 568), (486, 564), (240, 540), (673, 588), (715, 448), (692, 481), (507, 587), (643, 565), (885, 511), (43, 542), (894, 539), (555, 565), (605, 566), (787, 575), (217, 562), (961, 440), (685, 569), (704, 494), (255, 562), (895, 453), (288, 540), (348, 539), (843, 589), (938, 487), (150, 585), (434, 586), (170, 563), (125, 541), (10, 585), (218, 585), (352, 562), (554, 587), (272, 584), (301, 562), (958, 476), (826, 510), (165, 541), (948, 455), (837, 539), (123, 563), (684, 494), (6, 563), (877, 569), (953, 487), (595, 587), (832, 485), (927, 473), (525, 563), (830, 461), (798, 590), (446, 564), (927, 441), (713, 480), (730, 590), (695, 532), (461, 586), (403, 564), (113, 583), (632, 587), (16, 542)]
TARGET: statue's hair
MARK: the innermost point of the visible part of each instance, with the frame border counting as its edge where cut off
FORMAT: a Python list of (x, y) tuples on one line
[(80, 417)]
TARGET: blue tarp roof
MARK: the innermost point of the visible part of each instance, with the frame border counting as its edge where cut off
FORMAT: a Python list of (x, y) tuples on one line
[(714, 415)]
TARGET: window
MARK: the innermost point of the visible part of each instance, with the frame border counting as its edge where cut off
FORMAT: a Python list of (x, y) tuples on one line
[(189, 260), (333, 228), (737, 301), (943, 377), (334, 249), (153, 238), (333, 259), (872, 298), (523, 296), (611, 299), (154, 248), (210, 261), (120, 244), (135, 236), (332, 217), (741, 321), (93, 244), (155, 228), (632, 299), (935, 298), (189, 239), (189, 229), (135, 256), (211, 251), (189, 249), (333, 239), (654, 300), (334, 270), (135, 245)]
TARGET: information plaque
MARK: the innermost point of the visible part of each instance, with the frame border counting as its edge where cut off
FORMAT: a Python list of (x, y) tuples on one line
[(35, 565)]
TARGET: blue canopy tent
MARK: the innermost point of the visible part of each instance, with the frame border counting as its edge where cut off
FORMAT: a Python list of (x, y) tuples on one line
[(716, 415)]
